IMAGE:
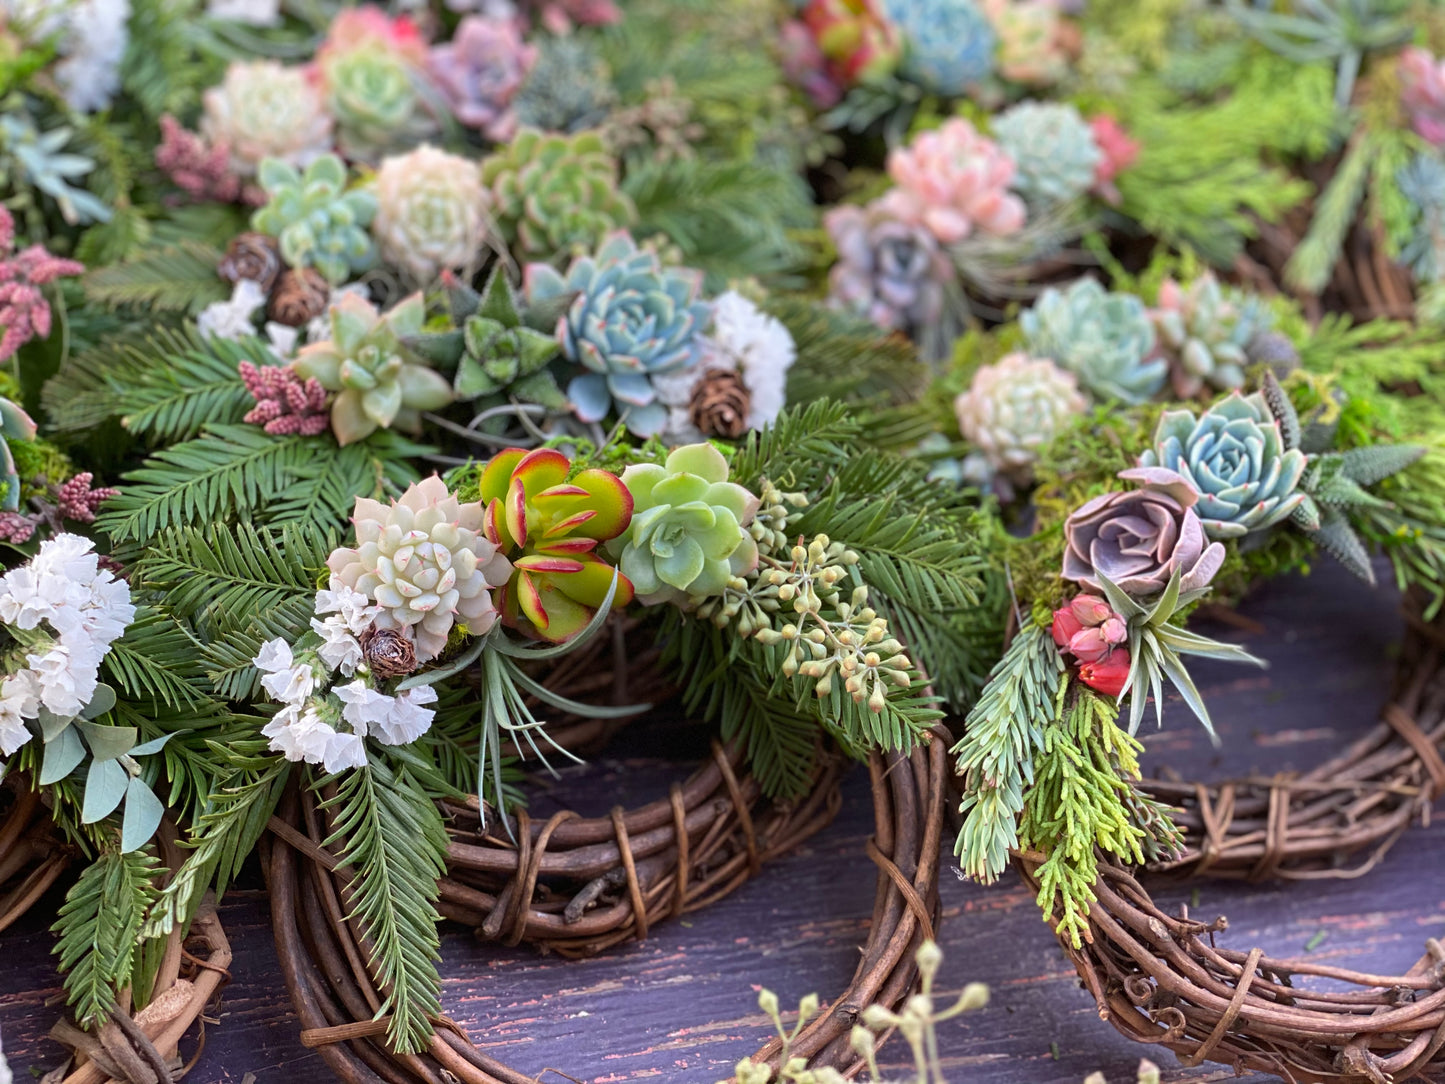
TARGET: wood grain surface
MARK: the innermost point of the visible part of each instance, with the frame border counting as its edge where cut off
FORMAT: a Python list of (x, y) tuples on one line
[(682, 1006)]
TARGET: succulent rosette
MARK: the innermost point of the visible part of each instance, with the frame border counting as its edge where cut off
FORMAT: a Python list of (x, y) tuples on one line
[(379, 384), (856, 37), (1140, 538), (317, 221), (426, 562), (689, 534), (890, 271), (954, 181), (1053, 150), (1205, 332), (630, 318), (1233, 456), (480, 70), (372, 70), (948, 44), (1014, 408), (552, 193), (1031, 40), (1106, 339), (551, 525), (262, 110), (1422, 93), (431, 212)]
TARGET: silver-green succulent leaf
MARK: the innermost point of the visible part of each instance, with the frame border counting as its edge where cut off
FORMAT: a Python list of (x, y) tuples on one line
[(1105, 338), (317, 221)]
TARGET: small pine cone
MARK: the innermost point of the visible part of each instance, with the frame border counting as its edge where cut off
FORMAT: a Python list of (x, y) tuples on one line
[(720, 404), (251, 256), (300, 296), (388, 652)]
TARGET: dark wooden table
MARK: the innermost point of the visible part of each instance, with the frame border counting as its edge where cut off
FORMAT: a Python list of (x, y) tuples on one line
[(682, 1006)]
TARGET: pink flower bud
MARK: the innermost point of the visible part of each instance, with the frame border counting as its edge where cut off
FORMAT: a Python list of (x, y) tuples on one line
[(1089, 645), (1066, 626), (1090, 610), (1114, 629)]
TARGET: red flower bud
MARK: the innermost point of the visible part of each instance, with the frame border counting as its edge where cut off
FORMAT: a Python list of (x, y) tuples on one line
[(1109, 674), (1066, 626), (1089, 645)]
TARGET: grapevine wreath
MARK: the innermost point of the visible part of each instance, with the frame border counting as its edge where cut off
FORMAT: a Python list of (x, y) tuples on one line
[(1175, 495)]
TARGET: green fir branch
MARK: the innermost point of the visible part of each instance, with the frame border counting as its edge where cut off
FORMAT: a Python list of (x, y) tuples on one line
[(99, 926), (180, 278)]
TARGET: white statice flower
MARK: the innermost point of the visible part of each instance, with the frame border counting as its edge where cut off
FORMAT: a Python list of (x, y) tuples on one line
[(344, 751), (274, 656), (362, 706), (282, 339), (19, 700), (409, 718), (233, 319), (354, 608), (744, 340), (299, 733), (250, 12), (61, 677), (291, 686), (91, 48), (339, 649)]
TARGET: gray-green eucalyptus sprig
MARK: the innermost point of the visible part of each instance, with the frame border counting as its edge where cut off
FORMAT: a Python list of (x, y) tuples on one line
[(40, 159), (1334, 483), (1155, 647)]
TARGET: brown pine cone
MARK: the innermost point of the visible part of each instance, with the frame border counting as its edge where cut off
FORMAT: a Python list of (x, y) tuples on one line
[(300, 296), (388, 652), (253, 256), (720, 404)]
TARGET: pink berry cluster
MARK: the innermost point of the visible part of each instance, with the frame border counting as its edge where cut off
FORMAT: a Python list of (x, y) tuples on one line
[(285, 404), (24, 312), (75, 499), (200, 169), (16, 528)]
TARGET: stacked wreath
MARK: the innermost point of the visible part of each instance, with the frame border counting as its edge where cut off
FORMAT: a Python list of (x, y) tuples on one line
[(1142, 513)]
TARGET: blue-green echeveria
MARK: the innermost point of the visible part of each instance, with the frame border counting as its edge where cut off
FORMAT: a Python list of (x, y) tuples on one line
[(378, 382), (949, 44), (317, 222), (688, 534), (1053, 148), (1233, 456), (631, 319), (1105, 338)]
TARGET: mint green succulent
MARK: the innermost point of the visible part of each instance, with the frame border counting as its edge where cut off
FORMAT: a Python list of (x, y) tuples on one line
[(15, 424), (1206, 331), (1053, 148), (317, 222), (502, 356), (1234, 456), (1105, 338), (688, 534)]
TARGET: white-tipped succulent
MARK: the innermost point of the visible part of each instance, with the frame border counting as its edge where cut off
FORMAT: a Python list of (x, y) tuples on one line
[(1014, 408), (431, 212), (426, 562), (263, 110)]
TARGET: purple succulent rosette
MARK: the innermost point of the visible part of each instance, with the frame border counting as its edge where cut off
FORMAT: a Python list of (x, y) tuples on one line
[(630, 319), (1139, 538)]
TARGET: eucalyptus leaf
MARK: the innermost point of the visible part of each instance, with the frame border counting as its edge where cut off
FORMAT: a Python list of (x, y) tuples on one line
[(107, 742), (155, 745), (52, 725), (105, 786), (100, 703), (143, 812), (62, 754)]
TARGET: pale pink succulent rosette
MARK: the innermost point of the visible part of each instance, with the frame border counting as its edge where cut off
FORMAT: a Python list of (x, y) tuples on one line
[(1141, 537), (1117, 153), (1422, 92), (426, 560), (480, 71), (954, 181)]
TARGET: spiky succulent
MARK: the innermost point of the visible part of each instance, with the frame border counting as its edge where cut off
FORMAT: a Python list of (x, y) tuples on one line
[(1205, 331), (1234, 456), (1105, 338), (689, 534), (948, 44), (569, 88), (630, 318), (502, 356), (379, 383), (1334, 483), (316, 220), (426, 562), (550, 526), (1053, 148), (552, 194)]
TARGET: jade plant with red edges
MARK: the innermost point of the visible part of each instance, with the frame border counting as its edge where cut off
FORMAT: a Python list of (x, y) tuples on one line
[(550, 526)]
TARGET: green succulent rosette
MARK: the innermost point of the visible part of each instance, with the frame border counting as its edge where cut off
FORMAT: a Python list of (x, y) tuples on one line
[(315, 219)]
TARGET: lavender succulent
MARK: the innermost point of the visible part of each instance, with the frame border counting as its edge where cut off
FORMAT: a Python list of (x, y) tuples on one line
[(631, 318), (890, 271), (949, 43), (1233, 455), (1052, 147), (1105, 338), (479, 72)]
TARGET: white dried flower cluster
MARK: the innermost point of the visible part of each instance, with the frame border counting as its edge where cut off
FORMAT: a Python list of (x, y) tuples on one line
[(327, 723), (91, 47), (249, 12), (64, 611), (744, 340)]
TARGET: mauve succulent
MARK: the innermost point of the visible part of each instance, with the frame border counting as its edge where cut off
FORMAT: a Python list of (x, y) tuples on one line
[(954, 181), (890, 271), (480, 70), (425, 560), (1422, 91), (1139, 538)]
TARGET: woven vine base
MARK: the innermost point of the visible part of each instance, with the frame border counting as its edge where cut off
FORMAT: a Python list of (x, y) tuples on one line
[(32, 854), (1161, 979), (614, 877)]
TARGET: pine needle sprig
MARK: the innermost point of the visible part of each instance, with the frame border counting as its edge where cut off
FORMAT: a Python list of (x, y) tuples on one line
[(394, 844), (1002, 735), (179, 278)]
